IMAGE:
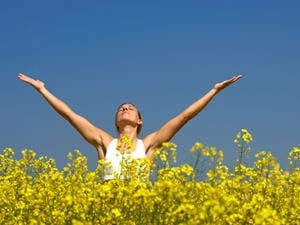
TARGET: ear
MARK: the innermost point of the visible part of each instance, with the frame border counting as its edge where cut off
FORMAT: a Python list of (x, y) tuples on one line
[(140, 122)]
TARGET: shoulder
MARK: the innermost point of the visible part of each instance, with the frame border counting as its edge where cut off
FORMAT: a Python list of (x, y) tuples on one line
[(102, 146), (105, 138), (148, 141)]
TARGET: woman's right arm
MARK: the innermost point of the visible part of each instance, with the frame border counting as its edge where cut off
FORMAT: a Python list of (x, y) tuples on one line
[(95, 136)]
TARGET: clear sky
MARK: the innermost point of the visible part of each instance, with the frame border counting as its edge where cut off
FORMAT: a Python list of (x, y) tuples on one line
[(160, 55)]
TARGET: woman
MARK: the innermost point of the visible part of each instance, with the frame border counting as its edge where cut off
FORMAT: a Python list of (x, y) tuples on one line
[(128, 122)]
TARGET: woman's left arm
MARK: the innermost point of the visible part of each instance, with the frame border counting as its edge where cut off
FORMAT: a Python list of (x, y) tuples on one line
[(169, 129)]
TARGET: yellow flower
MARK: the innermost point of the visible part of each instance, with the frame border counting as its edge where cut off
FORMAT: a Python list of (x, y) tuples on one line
[(124, 144), (34, 191)]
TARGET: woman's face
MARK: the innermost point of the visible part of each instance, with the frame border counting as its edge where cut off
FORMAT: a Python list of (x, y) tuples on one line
[(128, 113)]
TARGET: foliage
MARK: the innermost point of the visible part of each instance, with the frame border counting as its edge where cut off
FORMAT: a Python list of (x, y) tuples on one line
[(34, 191)]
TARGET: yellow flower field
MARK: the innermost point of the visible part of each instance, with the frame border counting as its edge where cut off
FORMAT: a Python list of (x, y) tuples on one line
[(34, 191)]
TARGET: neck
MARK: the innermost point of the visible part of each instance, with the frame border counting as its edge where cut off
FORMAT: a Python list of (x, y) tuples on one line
[(129, 132)]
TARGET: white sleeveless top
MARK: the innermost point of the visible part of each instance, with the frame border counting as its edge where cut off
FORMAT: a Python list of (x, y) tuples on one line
[(114, 157)]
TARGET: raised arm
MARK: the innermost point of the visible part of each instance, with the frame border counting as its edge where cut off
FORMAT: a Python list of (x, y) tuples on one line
[(92, 134), (169, 129)]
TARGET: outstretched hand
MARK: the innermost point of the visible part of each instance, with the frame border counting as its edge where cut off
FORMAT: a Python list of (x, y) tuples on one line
[(220, 86), (35, 83)]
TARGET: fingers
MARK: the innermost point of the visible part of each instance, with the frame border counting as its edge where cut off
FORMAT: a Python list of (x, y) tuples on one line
[(25, 78), (22, 76), (235, 78)]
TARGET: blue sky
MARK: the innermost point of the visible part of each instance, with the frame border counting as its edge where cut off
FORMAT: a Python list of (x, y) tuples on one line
[(161, 55)]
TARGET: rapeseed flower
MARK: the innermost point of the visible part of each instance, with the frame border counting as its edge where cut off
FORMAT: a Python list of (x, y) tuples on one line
[(34, 191)]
